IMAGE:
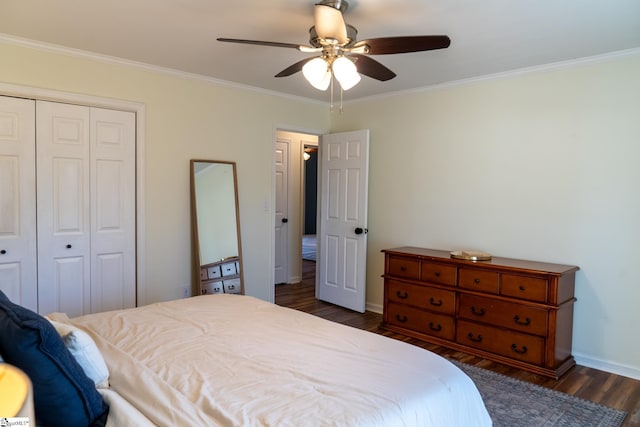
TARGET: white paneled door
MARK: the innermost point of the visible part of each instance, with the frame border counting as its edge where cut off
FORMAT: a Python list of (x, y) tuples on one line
[(67, 206), (342, 235), (281, 212), (86, 208), (18, 276), (64, 232), (113, 198)]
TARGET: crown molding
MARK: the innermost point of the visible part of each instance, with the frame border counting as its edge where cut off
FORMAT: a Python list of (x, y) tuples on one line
[(78, 53), (47, 47), (578, 62)]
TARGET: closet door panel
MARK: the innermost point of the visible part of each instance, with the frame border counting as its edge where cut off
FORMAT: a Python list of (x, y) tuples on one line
[(68, 272), (64, 234), (113, 268), (18, 268)]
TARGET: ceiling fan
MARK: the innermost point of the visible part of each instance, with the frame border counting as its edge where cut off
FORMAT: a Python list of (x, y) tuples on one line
[(341, 55)]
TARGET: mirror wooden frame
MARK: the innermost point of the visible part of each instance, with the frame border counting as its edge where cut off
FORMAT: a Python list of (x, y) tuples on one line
[(196, 282)]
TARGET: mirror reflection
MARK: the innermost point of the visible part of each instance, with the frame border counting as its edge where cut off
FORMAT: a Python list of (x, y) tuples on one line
[(215, 222)]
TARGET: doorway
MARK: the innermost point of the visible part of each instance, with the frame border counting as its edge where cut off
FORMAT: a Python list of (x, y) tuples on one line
[(310, 202), (341, 214), (296, 202)]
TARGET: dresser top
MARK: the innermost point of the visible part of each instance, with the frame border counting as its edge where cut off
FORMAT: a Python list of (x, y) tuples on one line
[(505, 263)]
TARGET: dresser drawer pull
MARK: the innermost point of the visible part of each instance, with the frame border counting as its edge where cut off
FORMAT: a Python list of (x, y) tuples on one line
[(401, 319), (403, 268), (437, 274), (476, 281), (436, 328), (522, 288), (480, 312), (515, 349), (525, 322), (474, 338), (402, 295), (434, 302)]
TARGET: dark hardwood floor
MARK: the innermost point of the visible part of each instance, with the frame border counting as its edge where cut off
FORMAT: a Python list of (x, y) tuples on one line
[(597, 386)]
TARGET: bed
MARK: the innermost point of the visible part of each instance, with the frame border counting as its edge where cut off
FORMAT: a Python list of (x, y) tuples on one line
[(232, 360)]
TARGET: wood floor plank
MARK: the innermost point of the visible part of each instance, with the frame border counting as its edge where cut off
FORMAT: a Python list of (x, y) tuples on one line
[(591, 384)]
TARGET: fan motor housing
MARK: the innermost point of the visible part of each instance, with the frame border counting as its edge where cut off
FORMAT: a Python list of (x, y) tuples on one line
[(316, 41)]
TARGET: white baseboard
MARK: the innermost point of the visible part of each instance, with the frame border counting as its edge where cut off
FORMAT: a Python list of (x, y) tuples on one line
[(581, 359), (376, 308), (294, 279), (608, 366)]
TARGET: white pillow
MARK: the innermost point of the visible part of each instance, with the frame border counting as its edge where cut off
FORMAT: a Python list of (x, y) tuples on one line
[(85, 351)]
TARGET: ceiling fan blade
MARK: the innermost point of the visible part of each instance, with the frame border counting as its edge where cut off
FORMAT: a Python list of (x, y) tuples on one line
[(263, 43), (292, 69), (329, 23), (372, 68), (403, 44)]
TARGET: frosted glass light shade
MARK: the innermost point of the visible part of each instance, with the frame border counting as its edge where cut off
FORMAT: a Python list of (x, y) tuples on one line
[(346, 72), (317, 73)]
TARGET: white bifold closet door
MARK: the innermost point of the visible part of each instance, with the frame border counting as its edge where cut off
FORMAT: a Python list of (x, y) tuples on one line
[(74, 211), (18, 267), (86, 208)]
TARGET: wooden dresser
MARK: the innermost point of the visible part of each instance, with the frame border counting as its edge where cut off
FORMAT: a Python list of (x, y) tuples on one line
[(515, 312), (221, 277)]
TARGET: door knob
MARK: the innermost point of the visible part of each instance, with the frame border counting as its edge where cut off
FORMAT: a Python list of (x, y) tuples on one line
[(285, 220), (360, 230)]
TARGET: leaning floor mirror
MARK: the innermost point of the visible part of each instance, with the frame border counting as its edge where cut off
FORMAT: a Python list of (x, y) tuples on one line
[(215, 222)]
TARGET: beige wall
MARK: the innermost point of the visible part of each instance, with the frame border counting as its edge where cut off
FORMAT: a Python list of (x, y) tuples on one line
[(539, 166), (542, 166), (185, 118)]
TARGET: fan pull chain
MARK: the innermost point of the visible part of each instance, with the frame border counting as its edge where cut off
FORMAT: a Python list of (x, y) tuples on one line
[(331, 89), (341, 92)]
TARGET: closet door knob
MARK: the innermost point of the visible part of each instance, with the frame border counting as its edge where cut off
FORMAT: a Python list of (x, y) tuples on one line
[(68, 246), (2, 252), (285, 220)]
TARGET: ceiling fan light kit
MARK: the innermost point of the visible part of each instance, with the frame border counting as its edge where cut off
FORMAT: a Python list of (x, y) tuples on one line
[(342, 56)]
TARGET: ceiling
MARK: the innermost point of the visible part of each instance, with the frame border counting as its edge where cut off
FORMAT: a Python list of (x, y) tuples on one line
[(487, 37)]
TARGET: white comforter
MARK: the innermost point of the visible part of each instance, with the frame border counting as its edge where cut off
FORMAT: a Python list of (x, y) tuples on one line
[(233, 360)]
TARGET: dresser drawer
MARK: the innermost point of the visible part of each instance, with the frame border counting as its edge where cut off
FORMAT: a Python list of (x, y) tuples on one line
[(214, 272), (403, 267), (500, 313), (212, 287), (438, 273), (231, 286), (427, 297), (426, 322), (229, 269), (515, 345), (478, 280), (524, 287)]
